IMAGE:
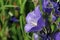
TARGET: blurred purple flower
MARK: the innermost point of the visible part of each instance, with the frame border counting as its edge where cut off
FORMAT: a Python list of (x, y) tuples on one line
[(45, 36), (14, 19), (35, 36), (47, 6), (57, 36), (56, 7), (54, 18), (34, 21)]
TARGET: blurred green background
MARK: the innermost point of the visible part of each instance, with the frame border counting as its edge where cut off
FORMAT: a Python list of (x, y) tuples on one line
[(14, 30)]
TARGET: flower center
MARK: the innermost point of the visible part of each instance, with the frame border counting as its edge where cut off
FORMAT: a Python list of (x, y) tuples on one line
[(34, 23)]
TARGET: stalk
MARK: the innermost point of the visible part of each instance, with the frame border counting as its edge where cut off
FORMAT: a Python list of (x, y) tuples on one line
[(22, 17)]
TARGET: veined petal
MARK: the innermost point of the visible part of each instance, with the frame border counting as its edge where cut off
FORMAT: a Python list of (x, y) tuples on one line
[(29, 17)]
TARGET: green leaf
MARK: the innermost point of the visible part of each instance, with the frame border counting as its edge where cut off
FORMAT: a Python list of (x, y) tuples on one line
[(58, 19), (52, 28)]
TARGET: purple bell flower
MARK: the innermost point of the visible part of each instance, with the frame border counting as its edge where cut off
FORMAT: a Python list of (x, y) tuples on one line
[(36, 36), (47, 6), (57, 36), (34, 21)]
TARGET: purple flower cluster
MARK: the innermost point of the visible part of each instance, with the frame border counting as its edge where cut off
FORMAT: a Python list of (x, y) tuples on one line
[(56, 7), (36, 22), (47, 6)]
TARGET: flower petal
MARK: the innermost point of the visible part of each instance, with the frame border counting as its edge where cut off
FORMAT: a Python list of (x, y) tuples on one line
[(35, 36), (57, 36), (28, 27)]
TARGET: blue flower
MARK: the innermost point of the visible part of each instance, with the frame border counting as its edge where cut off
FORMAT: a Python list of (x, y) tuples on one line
[(45, 36), (57, 36), (36, 37), (56, 7), (14, 19), (34, 21), (54, 18), (47, 6)]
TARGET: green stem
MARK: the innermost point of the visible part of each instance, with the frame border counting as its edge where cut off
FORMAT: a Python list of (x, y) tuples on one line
[(3, 9), (22, 5)]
